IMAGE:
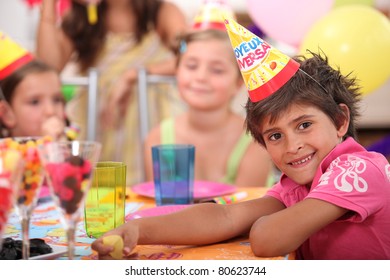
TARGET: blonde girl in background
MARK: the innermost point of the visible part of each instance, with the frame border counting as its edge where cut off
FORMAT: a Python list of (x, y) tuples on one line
[(208, 79)]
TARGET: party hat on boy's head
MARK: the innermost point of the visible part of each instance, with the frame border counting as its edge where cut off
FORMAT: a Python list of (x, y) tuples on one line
[(263, 68), (12, 56), (211, 13)]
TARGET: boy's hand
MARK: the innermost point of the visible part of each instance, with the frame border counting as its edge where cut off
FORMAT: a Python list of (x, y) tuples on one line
[(129, 234)]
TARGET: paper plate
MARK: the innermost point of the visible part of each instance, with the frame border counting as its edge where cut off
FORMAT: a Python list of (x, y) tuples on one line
[(156, 211), (202, 189)]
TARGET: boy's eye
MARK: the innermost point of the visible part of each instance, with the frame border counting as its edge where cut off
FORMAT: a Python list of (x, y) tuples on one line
[(275, 136), (304, 125)]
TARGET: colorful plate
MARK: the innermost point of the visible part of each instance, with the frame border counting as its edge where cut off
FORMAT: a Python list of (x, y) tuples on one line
[(155, 211), (202, 189)]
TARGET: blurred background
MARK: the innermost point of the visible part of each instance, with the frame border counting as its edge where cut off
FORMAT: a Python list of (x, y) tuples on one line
[(355, 34)]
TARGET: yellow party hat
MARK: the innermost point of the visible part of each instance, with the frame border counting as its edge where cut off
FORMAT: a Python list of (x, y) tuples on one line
[(263, 68), (211, 15), (12, 56)]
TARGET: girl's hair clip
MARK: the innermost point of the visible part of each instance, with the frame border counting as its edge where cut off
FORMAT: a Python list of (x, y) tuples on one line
[(183, 46)]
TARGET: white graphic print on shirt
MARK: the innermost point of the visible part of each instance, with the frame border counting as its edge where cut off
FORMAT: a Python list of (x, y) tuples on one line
[(348, 178), (387, 170)]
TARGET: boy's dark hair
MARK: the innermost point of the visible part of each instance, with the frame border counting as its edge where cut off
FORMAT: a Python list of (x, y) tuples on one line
[(325, 89)]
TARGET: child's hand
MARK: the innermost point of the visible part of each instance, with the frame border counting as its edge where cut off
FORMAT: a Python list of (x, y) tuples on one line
[(106, 251), (53, 127), (115, 108)]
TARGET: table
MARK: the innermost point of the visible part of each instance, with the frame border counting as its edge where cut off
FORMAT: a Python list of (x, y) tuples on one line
[(235, 249), (45, 224)]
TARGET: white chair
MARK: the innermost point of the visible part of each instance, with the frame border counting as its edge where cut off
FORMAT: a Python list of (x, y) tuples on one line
[(144, 81), (91, 82)]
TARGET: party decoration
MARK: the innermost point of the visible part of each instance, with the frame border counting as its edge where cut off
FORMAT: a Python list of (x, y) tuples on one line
[(72, 131), (62, 5), (92, 13), (68, 91), (263, 68), (355, 38), (287, 21), (32, 3), (12, 56), (383, 6), (256, 30), (339, 3), (210, 15), (381, 146)]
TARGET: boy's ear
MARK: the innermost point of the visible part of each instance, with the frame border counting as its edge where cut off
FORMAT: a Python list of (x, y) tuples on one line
[(7, 115), (343, 123)]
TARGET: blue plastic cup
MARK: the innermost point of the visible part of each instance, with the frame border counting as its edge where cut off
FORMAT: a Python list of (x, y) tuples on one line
[(173, 172)]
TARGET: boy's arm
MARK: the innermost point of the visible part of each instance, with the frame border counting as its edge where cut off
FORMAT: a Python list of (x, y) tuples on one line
[(283, 232), (196, 225)]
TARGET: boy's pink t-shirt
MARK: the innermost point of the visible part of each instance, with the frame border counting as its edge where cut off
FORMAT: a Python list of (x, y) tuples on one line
[(355, 179)]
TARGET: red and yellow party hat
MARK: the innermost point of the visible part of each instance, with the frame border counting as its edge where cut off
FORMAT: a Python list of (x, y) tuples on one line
[(263, 68), (211, 15), (12, 56)]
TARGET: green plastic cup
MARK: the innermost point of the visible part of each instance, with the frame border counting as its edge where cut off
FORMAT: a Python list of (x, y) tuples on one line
[(105, 203)]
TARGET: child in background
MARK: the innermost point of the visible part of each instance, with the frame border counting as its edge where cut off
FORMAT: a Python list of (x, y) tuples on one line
[(34, 105), (3, 104), (127, 35), (333, 199), (208, 79)]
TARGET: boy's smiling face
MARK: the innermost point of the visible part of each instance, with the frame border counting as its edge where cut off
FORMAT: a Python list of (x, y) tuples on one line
[(300, 139)]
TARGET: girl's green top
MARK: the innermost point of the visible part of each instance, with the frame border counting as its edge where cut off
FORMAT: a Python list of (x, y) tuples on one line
[(168, 137)]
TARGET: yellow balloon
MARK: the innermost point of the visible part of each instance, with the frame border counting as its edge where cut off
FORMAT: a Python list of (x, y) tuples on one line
[(339, 3), (355, 38)]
